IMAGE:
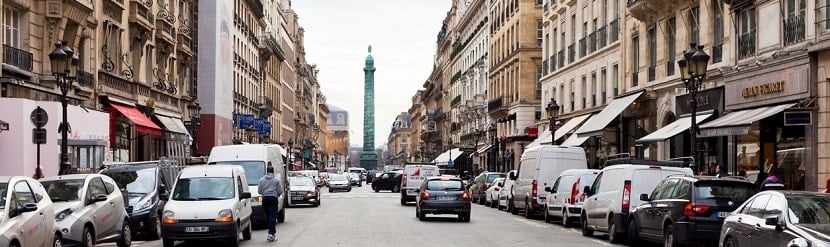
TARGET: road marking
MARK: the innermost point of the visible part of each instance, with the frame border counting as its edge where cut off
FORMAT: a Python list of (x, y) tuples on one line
[(601, 242), (532, 223)]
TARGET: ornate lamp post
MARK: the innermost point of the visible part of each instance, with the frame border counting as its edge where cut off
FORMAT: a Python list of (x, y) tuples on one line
[(553, 113), (64, 64), (288, 156), (194, 122), (693, 66)]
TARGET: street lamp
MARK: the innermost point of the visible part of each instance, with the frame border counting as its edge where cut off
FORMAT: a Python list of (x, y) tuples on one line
[(693, 66), (288, 156), (194, 122), (553, 112), (64, 64)]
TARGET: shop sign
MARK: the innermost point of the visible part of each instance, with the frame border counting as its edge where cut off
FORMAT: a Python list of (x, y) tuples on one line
[(798, 118), (707, 100), (724, 131), (768, 88), (771, 85)]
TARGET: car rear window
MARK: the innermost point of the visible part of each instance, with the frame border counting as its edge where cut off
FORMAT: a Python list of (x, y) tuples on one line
[(491, 177), (721, 190), (447, 185), (809, 209)]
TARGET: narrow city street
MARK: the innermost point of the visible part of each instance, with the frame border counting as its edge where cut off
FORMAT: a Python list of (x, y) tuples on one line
[(365, 218)]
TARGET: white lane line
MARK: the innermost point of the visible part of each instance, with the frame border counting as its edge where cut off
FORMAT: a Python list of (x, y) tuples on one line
[(532, 223), (601, 242)]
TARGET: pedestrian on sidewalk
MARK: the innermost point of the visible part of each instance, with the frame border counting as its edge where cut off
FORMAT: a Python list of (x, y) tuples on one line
[(270, 189)]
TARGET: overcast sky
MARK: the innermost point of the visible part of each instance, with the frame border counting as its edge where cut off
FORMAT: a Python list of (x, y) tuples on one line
[(402, 34)]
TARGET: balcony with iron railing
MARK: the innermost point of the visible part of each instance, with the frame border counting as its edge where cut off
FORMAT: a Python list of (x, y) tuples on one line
[(614, 30), (560, 58), (496, 104), (652, 72), (592, 42), (85, 79), (794, 26), (165, 31), (257, 8), (746, 44), (582, 47), (670, 67), (571, 53), (601, 37), (17, 57), (717, 53), (141, 15)]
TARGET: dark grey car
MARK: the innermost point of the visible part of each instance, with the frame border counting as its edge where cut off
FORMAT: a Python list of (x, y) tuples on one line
[(443, 195), (779, 218)]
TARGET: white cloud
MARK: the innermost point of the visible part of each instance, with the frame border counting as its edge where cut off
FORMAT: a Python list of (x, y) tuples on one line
[(402, 34)]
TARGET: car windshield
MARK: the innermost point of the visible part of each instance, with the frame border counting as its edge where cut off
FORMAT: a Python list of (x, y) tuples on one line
[(3, 188), (254, 170), (355, 176), (301, 181), (733, 191), (492, 177), (138, 182), (445, 185), (809, 209), (64, 190), (337, 177), (203, 188)]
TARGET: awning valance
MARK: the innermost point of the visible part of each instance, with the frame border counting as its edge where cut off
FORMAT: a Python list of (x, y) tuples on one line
[(672, 129), (170, 124), (598, 122), (574, 141), (737, 123), (142, 123)]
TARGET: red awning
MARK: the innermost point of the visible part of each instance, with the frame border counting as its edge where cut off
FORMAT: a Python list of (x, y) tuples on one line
[(142, 123)]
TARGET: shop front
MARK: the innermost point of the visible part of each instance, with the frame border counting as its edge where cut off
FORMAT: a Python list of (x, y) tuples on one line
[(176, 139), (769, 124), (133, 136)]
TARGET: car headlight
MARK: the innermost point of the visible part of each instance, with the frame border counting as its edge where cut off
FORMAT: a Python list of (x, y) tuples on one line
[(309, 194), (167, 217), (62, 214), (259, 198), (225, 215), (144, 204)]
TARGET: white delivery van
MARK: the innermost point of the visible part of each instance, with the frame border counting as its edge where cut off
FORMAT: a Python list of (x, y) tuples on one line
[(208, 202), (254, 158), (413, 176), (565, 197), (610, 196), (539, 168)]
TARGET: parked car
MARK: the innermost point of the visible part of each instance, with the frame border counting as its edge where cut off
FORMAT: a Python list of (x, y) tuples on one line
[(303, 190), (480, 184), (145, 183), (443, 195), (685, 210), (506, 193), (361, 172), (492, 193), (371, 175), (565, 198), (339, 182), (354, 179), (539, 168), (413, 176), (388, 181), (610, 196), (80, 201), (254, 158), (24, 204), (761, 221), (208, 202)]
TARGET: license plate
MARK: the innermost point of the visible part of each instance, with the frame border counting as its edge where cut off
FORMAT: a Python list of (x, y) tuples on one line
[(446, 198), (196, 229), (723, 214), (297, 198)]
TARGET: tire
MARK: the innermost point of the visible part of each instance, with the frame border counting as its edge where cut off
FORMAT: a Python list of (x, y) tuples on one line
[(88, 238), (56, 242), (281, 215), (167, 243), (585, 230), (331, 190), (403, 201), (466, 217), (246, 234), (375, 188), (126, 235), (481, 199), (548, 217), (155, 235), (528, 211), (668, 236), (613, 236), (14, 245), (396, 189), (633, 233), (730, 242), (234, 241), (512, 208), (422, 216)]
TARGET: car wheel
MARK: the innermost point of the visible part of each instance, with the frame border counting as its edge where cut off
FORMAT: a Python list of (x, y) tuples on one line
[(668, 237), (234, 241), (167, 242), (548, 217), (512, 208), (246, 234), (155, 235), (403, 201), (730, 242), (375, 188), (396, 189), (126, 235), (56, 242), (633, 233), (585, 230), (422, 216), (528, 211), (466, 217), (565, 219), (331, 190), (613, 236), (88, 239)]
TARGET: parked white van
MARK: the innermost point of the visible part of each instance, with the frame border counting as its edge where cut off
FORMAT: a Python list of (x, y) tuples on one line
[(413, 176), (565, 197), (254, 158), (539, 168), (610, 196), (208, 202)]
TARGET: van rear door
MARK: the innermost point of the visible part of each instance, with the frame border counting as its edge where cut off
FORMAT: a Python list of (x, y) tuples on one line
[(643, 181)]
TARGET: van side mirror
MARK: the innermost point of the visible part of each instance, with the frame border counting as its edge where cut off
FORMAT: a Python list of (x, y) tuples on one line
[(644, 197), (547, 189), (98, 198), (776, 221), (513, 176), (28, 207), (245, 195), (587, 190)]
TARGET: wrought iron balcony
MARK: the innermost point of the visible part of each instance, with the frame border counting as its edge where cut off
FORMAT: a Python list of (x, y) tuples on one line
[(571, 53), (600, 37), (496, 104), (257, 8), (85, 79), (17, 57), (592, 42), (582, 47), (561, 58), (272, 46), (141, 15), (614, 30), (670, 67), (652, 72), (746, 44), (794, 26)]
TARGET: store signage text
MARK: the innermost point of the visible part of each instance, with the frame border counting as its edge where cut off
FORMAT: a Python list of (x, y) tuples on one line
[(763, 89)]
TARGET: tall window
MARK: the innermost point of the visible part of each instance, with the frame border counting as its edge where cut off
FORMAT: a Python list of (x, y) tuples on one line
[(717, 31), (603, 85), (593, 90), (746, 37), (573, 28), (794, 23), (671, 42), (539, 29), (652, 53), (584, 93), (615, 79), (694, 31), (635, 60), (573, 95), (11, 27), (539, 71), (826, 14)]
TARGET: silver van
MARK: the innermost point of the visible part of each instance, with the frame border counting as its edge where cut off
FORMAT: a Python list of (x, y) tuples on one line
[(539, 168)]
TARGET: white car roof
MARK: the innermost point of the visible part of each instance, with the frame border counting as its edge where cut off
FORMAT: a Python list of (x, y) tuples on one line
[(70, 176)]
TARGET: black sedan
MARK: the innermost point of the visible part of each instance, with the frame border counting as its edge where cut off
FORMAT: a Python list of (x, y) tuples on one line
[(762, 221), (443, 195), (387, 181)]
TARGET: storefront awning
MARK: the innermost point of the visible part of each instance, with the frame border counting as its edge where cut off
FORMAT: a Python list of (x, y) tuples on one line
[(574, 141), (737, 123), (481, 150), (544, 138), (170, 124), (448, 155), (142, 123), (598, 122), (672, 129)]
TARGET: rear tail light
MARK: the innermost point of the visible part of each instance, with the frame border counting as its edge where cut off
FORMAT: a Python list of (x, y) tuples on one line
[(403, 181), (574, 192), (483, 187), (534, 188), (626, 198), (692, 209), (465, 196), (496, 189), (424, 195)]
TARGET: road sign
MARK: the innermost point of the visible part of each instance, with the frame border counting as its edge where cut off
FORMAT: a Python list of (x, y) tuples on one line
[(39, 117), (449, 164), (39, 136)]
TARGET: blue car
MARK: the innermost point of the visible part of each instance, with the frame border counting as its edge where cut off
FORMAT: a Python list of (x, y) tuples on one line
[(355, 179)]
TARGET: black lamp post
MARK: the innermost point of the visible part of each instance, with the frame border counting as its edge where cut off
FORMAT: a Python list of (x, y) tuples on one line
[(288, 157), (693, 66), (553, 112), (194, 122), (64, 64)]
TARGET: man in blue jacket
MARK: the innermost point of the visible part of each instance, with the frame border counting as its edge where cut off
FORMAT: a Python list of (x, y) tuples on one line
[(269, 188)]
